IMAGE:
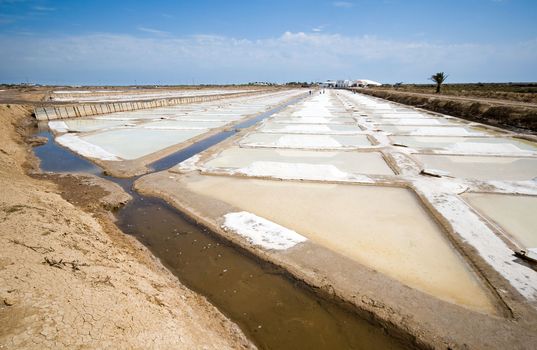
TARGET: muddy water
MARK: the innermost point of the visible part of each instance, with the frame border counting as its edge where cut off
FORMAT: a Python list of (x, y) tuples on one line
[(274, 311), (54, 158)]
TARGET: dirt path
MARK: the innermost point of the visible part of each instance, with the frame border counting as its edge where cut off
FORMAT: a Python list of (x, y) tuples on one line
[(71, 279)]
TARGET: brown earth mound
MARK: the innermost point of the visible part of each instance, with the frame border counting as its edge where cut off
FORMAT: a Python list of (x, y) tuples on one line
[(509, 115)]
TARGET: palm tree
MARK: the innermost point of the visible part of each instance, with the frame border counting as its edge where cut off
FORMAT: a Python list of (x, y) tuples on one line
[(439, 78)]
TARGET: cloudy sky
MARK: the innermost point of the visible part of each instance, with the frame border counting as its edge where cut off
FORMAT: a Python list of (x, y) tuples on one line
[(194, 42)]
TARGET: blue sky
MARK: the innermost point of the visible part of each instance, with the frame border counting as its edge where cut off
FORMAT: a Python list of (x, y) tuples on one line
[(185, 42)]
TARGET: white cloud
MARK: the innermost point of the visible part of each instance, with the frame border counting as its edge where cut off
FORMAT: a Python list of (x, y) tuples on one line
[(43, 8), (152, 31), (291, 56), (343, 4)]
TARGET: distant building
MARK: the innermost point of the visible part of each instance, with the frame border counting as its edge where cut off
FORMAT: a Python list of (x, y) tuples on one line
[(329, 84), (366, 82), (343, 84)]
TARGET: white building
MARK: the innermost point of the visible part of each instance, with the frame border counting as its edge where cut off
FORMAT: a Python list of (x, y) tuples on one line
[(366, 82), (329, 84), (343, 84)]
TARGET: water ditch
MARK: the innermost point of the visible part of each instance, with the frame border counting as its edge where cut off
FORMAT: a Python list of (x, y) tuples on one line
[(274, 311)]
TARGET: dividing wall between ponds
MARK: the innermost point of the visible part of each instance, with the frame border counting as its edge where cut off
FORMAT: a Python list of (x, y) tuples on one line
[(85, 110)]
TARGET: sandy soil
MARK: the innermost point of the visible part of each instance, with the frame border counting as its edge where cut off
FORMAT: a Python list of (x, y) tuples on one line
[(23, 95), (71, 279)]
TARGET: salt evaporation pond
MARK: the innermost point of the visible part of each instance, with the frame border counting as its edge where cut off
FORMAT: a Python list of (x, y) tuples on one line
[(430, 130), (314, 120), (414, 122), (214, 117), (349, 162), (499, 144), (305, 141), (132, 116), (135, 134), (401, 115), (384, 228), (516, 215), (482, 167), (342, 129), (134, 143), (85, 125), (184, 124)]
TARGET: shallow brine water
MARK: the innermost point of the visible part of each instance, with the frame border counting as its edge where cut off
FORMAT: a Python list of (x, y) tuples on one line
[(134, 143), (488, 144), (183, 124), (305, 141), (349, 162), (310, 128), (85, 125), (482, 167), (516, 215), (425, 121), (447, 130), (385, 228), (401, 115), (313, 120)]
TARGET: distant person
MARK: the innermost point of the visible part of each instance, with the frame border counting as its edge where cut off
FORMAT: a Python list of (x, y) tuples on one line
[(310, 92)]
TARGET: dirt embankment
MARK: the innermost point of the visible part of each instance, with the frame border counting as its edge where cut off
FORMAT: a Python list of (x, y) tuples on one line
[(510, 114), (516, 92), (71, 279)]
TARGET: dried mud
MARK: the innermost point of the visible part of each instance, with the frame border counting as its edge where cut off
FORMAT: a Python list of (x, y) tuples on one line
[(71, 279)]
